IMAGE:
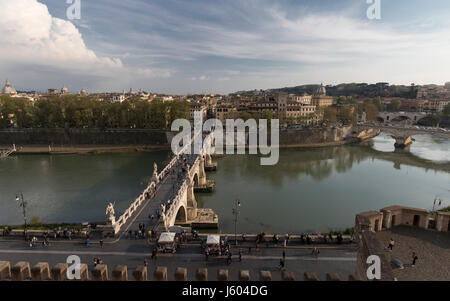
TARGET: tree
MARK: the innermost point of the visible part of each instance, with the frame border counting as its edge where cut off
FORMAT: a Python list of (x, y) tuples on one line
[(371, 111), (330, 114), (446, 111), (394, 106)]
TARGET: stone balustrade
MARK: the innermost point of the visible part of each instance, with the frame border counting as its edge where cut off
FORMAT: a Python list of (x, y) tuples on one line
[(21, 271)]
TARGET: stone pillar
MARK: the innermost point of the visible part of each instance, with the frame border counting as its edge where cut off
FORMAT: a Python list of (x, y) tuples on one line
[(333, 277), (244, 275), (387, 217), (84, 273), (208, 160), (181, 274), (287, 276), (59, 272), (160, 274), (265, 276), (191, 208), (310, 277), (201, 173), (40, 272), (21, 271), (201, 274), (222, 275), (140, 274), (120, 273), (5, 270), (100, 273)]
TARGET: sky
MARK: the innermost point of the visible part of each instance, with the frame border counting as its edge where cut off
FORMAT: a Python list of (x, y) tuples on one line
[(221, 46)]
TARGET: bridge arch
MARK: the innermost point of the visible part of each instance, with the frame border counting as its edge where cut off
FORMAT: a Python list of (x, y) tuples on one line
[(195, 180), (400, 118), (181, 217)]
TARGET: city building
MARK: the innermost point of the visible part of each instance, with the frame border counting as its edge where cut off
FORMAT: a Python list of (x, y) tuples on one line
[(198, 107), (226, 111), (433, 92), (436, 106)]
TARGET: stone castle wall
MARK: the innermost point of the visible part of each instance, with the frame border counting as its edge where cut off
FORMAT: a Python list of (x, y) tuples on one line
[(23, 271)]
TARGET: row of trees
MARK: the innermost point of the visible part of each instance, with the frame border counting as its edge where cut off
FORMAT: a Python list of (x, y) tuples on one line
[(442, 119), (358, 90), (348, 111), (74, 111)]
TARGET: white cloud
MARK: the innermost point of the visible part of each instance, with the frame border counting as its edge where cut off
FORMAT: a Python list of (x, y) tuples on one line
[(32, 39), (31, 35)]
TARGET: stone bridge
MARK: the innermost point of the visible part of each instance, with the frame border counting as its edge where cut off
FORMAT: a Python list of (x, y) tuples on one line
[(413, 117), (404, 135), (170, 193)]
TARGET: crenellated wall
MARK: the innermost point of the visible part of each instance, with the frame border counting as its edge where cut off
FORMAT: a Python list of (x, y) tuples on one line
[(22, 271)]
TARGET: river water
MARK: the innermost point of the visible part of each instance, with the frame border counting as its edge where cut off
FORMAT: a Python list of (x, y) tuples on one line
[(308, 190)]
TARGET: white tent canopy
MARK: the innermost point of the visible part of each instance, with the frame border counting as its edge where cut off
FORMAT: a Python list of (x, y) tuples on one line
[(213, 240), (166, 237)]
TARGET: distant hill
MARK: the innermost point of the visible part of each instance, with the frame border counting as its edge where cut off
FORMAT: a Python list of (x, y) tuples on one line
[(355, 90)]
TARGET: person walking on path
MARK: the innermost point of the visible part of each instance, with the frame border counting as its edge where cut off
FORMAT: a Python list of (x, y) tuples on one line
[(240, 255), (154, 253), (315, 252), (206, 254), (284, 255), (230, 258), (282, 264), (101, 243), (414, 258), (391, 244)]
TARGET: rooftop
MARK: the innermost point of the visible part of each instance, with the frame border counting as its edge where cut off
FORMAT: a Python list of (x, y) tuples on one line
[(432, 249)]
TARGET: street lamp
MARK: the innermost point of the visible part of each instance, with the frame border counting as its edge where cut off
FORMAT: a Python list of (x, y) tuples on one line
[(23, 204), (237, 204)]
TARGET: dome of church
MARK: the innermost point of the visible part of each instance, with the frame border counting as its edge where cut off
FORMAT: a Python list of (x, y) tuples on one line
[(64, 90), (321, 90), (8, 89)]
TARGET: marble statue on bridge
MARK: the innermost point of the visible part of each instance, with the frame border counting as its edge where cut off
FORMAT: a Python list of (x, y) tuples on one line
[(155, 177), (110, 214), (163, 216)]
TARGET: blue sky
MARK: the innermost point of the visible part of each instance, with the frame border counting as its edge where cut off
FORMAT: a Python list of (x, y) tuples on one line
[(222, 46)]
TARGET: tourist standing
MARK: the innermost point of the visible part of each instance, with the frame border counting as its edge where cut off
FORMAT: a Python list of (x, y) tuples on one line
[(414, 258), (282, 264), (391, 244)]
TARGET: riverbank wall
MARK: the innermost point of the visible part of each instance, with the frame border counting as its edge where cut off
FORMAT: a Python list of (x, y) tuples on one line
[(71, 137), (84, 141)]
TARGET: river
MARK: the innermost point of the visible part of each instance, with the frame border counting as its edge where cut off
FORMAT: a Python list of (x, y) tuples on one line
[(308, 190)]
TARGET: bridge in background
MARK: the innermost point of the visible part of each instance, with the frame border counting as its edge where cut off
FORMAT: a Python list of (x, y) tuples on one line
[(404, 135)]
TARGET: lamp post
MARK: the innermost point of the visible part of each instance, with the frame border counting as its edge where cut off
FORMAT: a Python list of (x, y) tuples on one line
[(23, 204), (237, 204)]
